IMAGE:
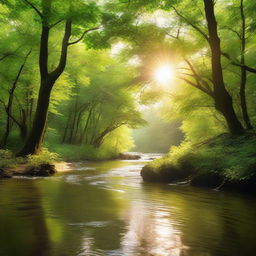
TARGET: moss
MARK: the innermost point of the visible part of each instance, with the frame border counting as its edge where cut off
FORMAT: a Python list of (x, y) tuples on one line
[(208, 163)]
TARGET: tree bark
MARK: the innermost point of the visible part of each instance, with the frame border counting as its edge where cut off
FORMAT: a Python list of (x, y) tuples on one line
[(86, 126), (246, 117), (223, 100)]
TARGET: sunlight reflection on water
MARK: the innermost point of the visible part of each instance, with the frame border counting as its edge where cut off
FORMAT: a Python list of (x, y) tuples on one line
[(151, 231), (104, 209)]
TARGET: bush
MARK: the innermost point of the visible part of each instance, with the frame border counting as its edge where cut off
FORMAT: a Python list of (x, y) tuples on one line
[(45, 157), (233, 159), (7, 159)]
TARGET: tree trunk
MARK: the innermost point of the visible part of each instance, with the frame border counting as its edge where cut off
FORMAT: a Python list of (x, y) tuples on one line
[(8, 108), (7, 132), (66, 128), (246, 117), (23, 124), (35, 137), (223, 101), (34, 140), (86, 126)]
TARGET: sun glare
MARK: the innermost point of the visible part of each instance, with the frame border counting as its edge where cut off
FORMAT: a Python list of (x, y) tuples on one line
[(164, 74)]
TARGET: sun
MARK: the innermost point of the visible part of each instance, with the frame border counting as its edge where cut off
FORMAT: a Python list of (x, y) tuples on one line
[(164, 74)]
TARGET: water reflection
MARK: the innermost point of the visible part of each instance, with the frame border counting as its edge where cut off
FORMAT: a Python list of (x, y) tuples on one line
[(104, 209), (150, 232), (23, 229)]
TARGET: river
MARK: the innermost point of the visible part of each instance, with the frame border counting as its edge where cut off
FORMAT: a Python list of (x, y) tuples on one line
[(104, 208)]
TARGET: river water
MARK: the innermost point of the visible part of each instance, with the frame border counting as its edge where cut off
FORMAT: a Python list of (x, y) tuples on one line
[(104, 208)]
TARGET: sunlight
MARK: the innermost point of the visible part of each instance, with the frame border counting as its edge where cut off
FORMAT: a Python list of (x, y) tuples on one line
[(164, 74)]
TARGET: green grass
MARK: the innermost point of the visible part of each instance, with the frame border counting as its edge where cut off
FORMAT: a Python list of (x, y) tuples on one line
[(74, 153), (232, 158)]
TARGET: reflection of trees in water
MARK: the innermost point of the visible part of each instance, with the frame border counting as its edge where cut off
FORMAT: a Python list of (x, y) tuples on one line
[(23, 229), (86, 216), (66, 216)]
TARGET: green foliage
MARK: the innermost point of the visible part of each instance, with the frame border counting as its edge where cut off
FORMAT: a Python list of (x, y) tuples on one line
[(116, 142), (233, 158), (45, 157), (95, 102), (7, 154), (7, 159)]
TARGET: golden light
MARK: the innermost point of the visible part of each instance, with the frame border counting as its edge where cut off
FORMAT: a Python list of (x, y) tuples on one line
[(164, 74)]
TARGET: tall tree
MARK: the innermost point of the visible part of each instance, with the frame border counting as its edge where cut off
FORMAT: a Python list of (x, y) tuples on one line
[(9, 106), (243, 68), (75, 11), (223, 100)]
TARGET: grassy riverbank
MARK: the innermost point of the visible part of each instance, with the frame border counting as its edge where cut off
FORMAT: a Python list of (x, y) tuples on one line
[(47, 163), (33, 165), (221, 162)]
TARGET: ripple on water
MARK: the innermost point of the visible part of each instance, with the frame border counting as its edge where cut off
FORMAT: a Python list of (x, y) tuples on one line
[(93, 224), (73, 179)]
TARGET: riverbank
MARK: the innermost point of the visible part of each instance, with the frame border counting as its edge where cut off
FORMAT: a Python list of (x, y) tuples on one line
[(223, 162), (46, 164), (42, 165)]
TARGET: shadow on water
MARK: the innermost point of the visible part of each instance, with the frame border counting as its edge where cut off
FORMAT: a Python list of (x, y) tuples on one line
[(104, 208), (23, 229)]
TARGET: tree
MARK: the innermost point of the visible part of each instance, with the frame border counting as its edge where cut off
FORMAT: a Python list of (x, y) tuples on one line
[(192, 18), (223, 100), (102, 100), (50, 18), (9, 106)]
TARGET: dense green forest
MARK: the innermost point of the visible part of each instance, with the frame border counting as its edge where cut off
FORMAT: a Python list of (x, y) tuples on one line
[(77, 77), (127, 127)]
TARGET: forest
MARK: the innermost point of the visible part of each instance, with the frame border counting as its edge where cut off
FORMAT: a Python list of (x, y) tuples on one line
[(127, 127), (77, 77)]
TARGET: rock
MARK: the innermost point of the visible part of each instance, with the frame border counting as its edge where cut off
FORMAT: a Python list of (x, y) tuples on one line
[(43, 170), (165, 174), (123, 156), (4, 174)]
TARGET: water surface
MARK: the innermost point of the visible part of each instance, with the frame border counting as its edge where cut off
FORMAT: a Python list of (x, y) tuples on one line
[(104, 208)]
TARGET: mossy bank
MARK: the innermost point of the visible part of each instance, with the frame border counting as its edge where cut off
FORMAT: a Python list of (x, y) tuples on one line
[(42, 165), (223, 162)]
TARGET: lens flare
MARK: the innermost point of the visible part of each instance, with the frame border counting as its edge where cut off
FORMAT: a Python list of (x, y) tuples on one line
[(164, 74)]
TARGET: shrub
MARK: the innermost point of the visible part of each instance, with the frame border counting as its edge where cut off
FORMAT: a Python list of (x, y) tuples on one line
[(45, 157), (231, 158), (7, 158)]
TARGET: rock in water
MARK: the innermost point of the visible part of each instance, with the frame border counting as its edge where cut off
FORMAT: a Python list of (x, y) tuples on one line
[(43, 170), (123, 156)]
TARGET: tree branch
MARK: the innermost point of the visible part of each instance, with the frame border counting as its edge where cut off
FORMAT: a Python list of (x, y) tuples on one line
[(198, 29), (199, 79), (198, 86), (56, 23), (64, 48), (235, 63), (34, 7), (82, 36)]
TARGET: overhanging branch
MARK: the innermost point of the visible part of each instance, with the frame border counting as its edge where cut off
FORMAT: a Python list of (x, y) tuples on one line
[(83, 35)]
